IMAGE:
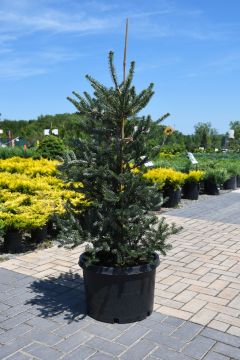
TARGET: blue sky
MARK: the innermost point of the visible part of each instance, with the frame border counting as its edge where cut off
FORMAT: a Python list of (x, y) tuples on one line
[(188, 48)]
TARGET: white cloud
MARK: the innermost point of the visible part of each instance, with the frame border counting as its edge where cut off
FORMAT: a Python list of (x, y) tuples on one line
[(5, 50), (39, 64), (57, 55), (23, 18), (4, 38), (18, 69), (19, 18), (228, 62), (222, 64), (50, 21), (161, 63)]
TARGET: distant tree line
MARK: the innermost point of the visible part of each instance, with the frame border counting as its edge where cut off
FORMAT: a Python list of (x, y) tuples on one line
[(69, 128), (33, 130), (204, 136)]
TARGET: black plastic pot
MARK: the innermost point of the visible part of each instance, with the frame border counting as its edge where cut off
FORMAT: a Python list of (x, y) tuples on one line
[(119, 295), (191, 190), (13, 241), (230, 184), (210, 187), (39, 234), (52, 228), (173, 197), (238, 181)]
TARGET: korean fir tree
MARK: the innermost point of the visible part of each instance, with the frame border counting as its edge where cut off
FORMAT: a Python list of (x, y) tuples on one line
[(118, 226)]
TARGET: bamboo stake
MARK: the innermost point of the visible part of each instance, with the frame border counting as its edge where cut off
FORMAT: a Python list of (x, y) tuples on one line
[(123, 120), (124, 72), (125, 51)]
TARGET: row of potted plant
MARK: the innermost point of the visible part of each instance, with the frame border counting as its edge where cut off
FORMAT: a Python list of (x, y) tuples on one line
[(30, 197), (221, 174), (228, 162), (174, 184)]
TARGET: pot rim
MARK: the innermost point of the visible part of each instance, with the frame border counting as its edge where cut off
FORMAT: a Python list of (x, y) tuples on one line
[(128, 270)]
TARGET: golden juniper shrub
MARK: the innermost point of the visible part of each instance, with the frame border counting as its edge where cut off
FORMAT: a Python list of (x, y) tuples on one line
[(30, 193), (29, 166), (195, 176), (165, 177)]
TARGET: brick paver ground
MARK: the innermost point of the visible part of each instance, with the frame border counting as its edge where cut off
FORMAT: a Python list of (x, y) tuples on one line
[(199, 280), (197, 302)]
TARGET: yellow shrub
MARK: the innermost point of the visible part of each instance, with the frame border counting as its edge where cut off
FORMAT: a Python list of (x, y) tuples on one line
[(30, 193), (165, 177), (195, 176), (29, 166)]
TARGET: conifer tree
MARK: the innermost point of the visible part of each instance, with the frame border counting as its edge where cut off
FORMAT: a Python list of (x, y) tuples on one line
[(118, 222)]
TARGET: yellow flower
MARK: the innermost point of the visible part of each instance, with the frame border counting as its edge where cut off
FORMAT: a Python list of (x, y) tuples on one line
[(168, 130)]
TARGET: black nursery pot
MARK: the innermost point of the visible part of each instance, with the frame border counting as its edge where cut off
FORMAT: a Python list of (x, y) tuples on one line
[(191, 190), (39, 234), (119, 295), (230, 184), (52, 228), (173, 197), (210, 187), (13, 241), (238, 181)]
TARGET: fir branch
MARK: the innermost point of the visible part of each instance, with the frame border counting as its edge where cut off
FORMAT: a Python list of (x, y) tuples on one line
[(127, 83), (162, 118), (113, 70)]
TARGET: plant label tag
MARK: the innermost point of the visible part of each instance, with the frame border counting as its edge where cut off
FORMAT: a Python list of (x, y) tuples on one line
[(192, 158), (46, 132), (55, 131), (149, 164)]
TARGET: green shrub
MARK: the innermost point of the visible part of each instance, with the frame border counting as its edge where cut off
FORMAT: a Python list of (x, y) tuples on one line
[(178, 162), (217, 175), (9, 152), (51, 147), (173, 149), (232, 167)]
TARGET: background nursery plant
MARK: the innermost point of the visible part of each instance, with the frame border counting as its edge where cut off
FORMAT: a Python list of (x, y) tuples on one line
[(117, 222), (30, 196)]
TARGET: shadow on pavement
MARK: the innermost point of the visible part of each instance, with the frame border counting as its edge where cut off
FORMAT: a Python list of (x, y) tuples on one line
[(60, 298)]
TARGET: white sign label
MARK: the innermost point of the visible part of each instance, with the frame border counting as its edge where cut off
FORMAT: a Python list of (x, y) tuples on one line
[(192, 158), (55, 131), (46, 131), (149, 164), (231, 134)]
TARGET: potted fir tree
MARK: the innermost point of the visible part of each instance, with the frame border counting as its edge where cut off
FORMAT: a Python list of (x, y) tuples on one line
[(120, 260)]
